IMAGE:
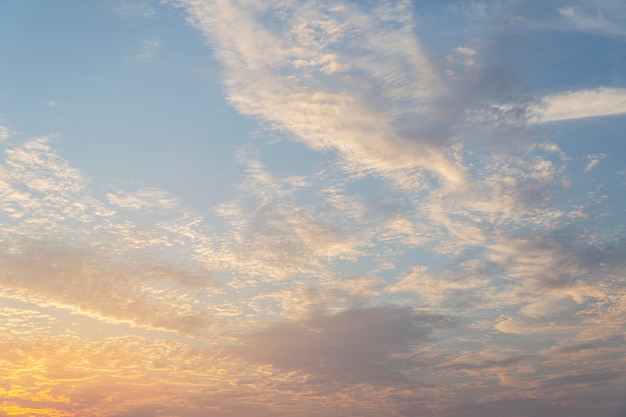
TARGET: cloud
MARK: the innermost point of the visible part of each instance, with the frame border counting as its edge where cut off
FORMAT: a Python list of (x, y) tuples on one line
[(593, 161), (133, 9), (86, 281), (488, 364), (62, 246), (273, 235), (45, 197), (373, 345), (602, 101), (596, 23), (557, 261), (520, 407), (41, 188), (18, 321), (459, 286), (472, 9), (545, 326), (143, 199), (4, 133), (148, 50), (140, 372), (320, 273), (463, 59), (563, 286), (325, 102), (602, 351), (54, 103)]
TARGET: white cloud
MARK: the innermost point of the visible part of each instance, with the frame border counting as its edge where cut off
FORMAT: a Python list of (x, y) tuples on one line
[(537, 326), (593, 161), (40, 187), (143, 199), (4, 133), (62, 246), (54, 103), (602, 101), (296, 81)]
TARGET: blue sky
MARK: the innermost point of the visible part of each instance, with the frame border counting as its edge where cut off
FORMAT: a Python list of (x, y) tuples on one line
[(269, 208)]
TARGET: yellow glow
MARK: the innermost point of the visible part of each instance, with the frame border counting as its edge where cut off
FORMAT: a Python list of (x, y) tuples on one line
[(16, 410)]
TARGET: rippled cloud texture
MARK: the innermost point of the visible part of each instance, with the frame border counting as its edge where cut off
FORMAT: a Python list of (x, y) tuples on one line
[(348, 208)]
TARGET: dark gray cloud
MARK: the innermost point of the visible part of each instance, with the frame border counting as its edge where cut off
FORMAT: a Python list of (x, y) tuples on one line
[(375, 345)]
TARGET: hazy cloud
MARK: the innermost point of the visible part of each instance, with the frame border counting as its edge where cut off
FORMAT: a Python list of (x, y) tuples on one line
[(360, 346), (133, 8), (593, 21)]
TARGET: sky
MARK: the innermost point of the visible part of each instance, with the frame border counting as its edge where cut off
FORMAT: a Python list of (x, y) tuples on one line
[(356, 208)]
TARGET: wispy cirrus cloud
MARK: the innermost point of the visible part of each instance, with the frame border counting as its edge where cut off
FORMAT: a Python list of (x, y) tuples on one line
[(595, 21), (348, 104), (147, 50)]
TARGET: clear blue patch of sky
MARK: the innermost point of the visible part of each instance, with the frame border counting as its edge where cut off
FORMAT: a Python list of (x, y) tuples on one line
[(136, 99), (554, 61), (595, 136)]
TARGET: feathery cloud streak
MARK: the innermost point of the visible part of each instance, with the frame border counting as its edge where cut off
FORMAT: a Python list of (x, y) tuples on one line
[(291, 76)]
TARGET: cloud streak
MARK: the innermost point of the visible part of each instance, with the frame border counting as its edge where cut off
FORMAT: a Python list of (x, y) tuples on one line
[(349, 106), (603, 101)]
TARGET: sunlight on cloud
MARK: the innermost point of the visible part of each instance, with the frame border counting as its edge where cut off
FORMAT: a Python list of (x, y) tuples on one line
[(593, 161), (318, 104), (581, 104)]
